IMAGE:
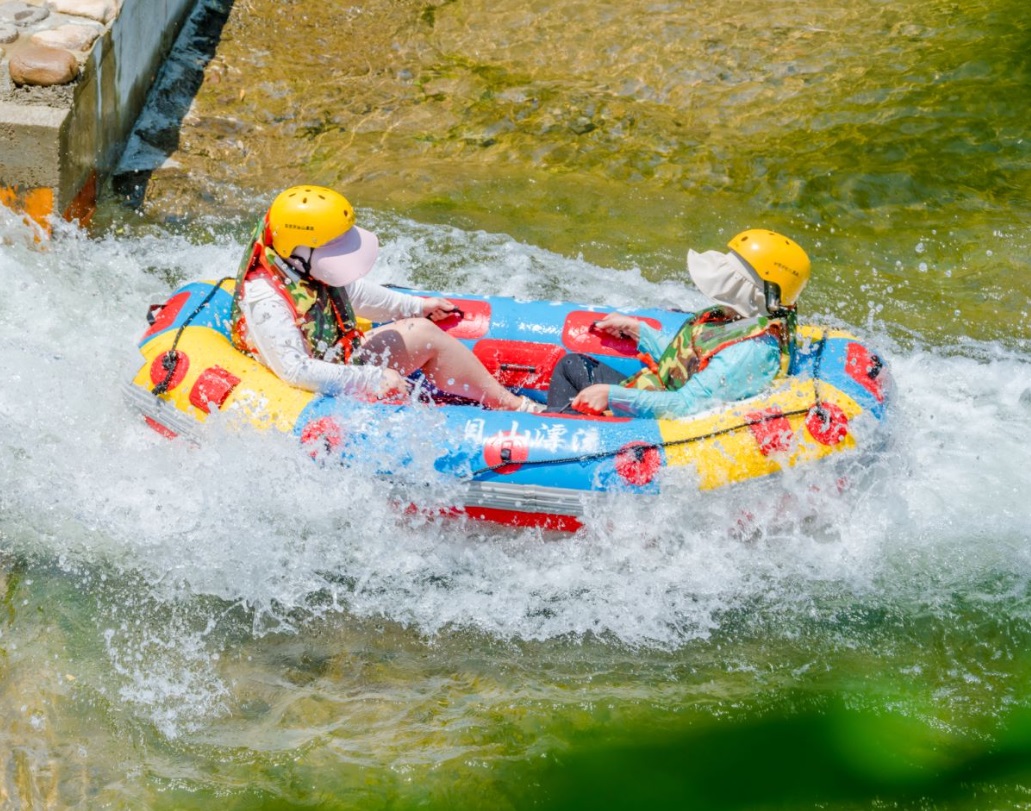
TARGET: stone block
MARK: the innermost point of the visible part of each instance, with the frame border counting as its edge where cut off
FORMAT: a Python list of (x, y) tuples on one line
[(71, 37), (43, 66), (100, 10)]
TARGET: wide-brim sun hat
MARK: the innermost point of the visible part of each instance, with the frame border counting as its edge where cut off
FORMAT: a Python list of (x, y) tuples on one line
[(728, 281), (346, 258)]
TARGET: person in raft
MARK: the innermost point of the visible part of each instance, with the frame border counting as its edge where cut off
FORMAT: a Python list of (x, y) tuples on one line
[(730, 351), (299, 289)]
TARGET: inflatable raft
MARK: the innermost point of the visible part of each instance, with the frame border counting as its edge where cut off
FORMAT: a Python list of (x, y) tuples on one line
[(545, 470)]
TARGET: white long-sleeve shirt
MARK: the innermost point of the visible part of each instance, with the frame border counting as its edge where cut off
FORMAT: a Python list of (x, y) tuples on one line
[(281, 346)]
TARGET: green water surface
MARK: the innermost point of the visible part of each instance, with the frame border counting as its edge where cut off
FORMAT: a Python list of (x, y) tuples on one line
[(890, 139)]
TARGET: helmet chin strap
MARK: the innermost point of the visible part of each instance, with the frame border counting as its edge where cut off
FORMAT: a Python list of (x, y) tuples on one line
[(773, 304), (304, 263)]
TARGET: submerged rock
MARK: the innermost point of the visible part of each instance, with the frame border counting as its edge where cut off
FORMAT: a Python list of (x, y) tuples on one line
[(42, 66), (8, 32)]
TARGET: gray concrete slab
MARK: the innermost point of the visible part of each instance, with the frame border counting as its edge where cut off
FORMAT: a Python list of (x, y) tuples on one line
[(59, 141)]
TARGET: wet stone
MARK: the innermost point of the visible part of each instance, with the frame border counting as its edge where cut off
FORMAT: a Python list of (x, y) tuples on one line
[(100, 10), (71, 37), (42, 66), (8, 33), (22, 14)]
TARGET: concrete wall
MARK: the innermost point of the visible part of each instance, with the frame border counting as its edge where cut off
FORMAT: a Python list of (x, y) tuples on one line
[(57, 147)]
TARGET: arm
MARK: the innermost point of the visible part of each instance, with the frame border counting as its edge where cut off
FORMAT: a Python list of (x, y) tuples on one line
[(271, 328), (738, 372), (648, 339), (595, 399), (379, 303), (653, 342)]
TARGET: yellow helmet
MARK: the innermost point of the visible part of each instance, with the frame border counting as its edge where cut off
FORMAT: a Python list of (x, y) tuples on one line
[(776, 259), (309, 216)]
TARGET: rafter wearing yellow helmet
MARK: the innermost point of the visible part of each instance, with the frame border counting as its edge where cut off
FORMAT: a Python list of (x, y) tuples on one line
[(299, 289), (726, 352)]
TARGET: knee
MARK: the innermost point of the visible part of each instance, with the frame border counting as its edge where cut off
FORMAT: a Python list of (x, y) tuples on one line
[(416, 327), (564, 363), (421, 332), (572, 364)]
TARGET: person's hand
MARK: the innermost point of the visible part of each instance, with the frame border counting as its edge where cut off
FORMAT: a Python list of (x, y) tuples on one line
[(593, 400), (619, 326), (391, 384), (437, 309)]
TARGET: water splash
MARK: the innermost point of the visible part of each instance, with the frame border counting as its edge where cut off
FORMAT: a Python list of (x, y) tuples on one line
[(249, 521)]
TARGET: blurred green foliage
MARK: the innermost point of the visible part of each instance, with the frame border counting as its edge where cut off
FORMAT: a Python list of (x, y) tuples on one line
[(831, 757)]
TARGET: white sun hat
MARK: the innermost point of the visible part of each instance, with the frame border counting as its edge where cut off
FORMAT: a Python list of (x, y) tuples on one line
[(346, 258), (727, 280)]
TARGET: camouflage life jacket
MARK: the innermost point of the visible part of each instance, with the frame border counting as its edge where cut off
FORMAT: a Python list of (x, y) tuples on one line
[(322, 313), (702, 337)]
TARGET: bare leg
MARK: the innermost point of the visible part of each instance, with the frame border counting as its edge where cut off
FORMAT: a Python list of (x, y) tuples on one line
[(417, 343)]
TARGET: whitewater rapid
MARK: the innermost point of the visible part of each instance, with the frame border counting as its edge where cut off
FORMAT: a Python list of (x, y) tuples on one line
[(249, 521)]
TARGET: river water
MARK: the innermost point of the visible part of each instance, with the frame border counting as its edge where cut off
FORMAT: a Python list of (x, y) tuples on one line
[(182, 626)]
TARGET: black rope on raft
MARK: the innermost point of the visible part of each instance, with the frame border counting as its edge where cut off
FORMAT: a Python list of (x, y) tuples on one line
[(170, 359), (637, 450), (640, 450), (820, 411)]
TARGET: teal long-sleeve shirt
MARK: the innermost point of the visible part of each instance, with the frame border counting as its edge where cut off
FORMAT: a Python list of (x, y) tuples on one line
[(740, 371)]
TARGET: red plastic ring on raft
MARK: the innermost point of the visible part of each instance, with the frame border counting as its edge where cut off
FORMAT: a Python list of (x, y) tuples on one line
[(158, 371), (638, 462), (827, 423), (505, 450), (323, 436)]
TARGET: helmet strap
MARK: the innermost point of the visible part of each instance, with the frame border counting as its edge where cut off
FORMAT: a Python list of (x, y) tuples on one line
[(773, 303), (305, 264)]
